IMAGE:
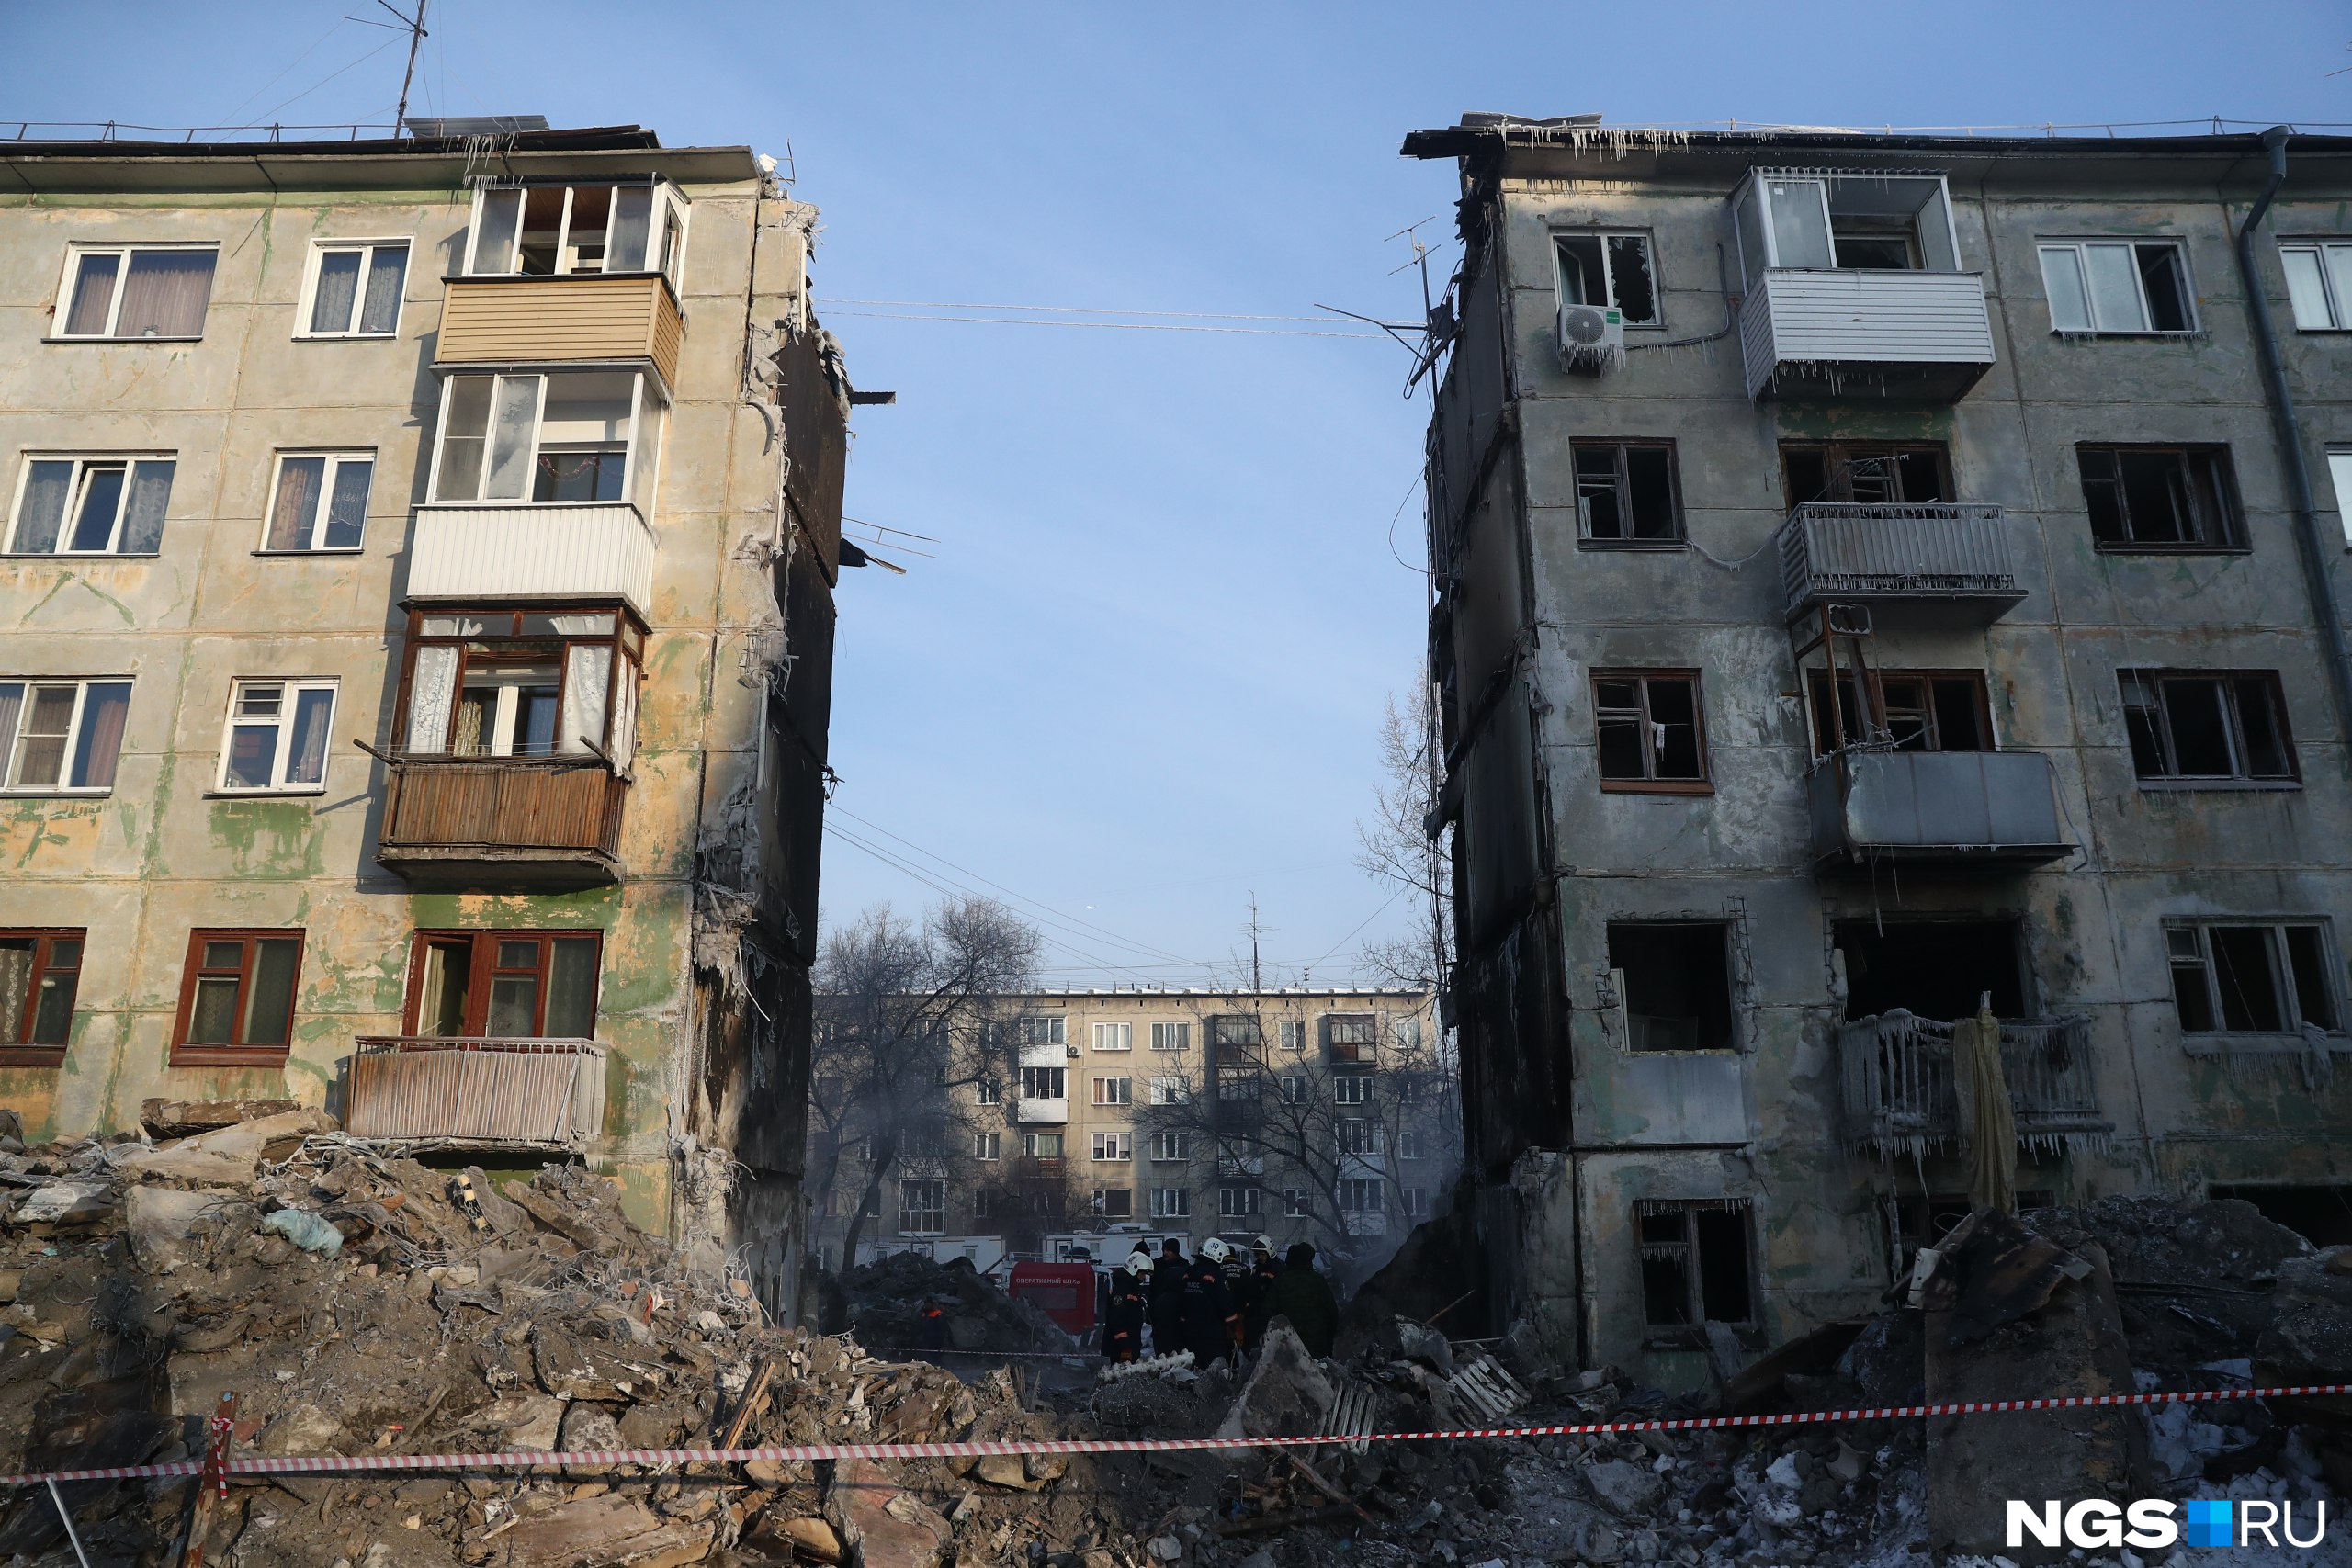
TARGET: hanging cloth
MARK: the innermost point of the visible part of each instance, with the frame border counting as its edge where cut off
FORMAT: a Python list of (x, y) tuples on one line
[(1986, 1120)]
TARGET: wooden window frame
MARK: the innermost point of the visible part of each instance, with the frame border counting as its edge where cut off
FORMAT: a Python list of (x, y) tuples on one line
[(627, 640), (304, 333), (482, 965), (1838, 458), (1677, 538), (1687, 1211), (1702, 786), (1816, 682), (2278, 954), (2230, 523), (2239, 779), (183, 1054), (24, 1052)]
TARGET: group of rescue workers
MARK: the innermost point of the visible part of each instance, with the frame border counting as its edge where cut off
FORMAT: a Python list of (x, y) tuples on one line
[(1216, 1303)]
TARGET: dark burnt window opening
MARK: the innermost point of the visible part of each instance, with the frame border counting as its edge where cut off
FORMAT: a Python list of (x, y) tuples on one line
[(1676, 994), (2208, 726), (2158, 498), (2321, 1212), (1912, 710), (1875, 241), (1935, 969), (1597, 268), (1625, 491), (2252, 977), (1647, 731), (1870, 473), (1696, 1263)]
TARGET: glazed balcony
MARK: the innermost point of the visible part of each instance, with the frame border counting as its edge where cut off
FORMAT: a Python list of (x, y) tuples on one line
[(1901, 1095), (533, 821), (1959, 808), (601, 316), (532, 551), (476, 1093)]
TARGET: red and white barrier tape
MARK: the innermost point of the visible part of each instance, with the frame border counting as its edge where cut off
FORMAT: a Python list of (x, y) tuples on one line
[(539, 1459)]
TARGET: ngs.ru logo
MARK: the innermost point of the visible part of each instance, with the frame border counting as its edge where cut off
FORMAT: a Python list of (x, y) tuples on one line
[(2148, 1524)]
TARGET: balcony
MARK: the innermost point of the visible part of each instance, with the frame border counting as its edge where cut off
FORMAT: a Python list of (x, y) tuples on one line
[(1934, 565), (1959, 808), (529, 551), (540, 1094), (1844, 333), (1900, 1096), (601, 316), (531, 821), (1040, 1112)]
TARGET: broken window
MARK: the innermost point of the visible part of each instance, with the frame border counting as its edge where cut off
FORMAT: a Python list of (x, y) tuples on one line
[(277, 739), (2117, 285), (549, 231), (318, 502), (135, 292), (1364, 1205), (1647, 729), (354, 290), (1234, 1032), (503, 985), (237, 997), (1407, 1035), (1625, 491), (522, 683), (1600, 268), (1351, 1036), (1168, 1147), (1812, 222), (1045, 1083), (1114, 1145), (40, 972), (1416, 1203), (1234, 1084), (1240, 1202), (1865, 473), (1114, 1037), (1171, 1202), (2319, 282), (1291, 1033), (110, 505), (2208, 727), (922, 1206), (1937, 969), (1172, 1036), (1299, 1204), (2252, 977), (1912, 710), (987, 1146), (61, 737), (1677, 987), (573, 435), (1695, 1263), (1114, 1202), (1114, 1091), (1360, 1135), (1409, 1144), (2162, 497)]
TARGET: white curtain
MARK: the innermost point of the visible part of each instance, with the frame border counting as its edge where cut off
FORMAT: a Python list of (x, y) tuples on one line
[(430, 691), (623, 744), (587, 679), (164, 294)]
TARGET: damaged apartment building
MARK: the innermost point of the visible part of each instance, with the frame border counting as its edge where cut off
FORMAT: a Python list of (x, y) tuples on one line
[(416, 615), (1880, 577)]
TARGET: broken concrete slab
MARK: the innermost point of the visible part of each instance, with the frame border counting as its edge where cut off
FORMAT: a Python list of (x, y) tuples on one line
[(1628, 1490), (887, 1526), (1287, 1394), (230, 1156), (609, 1531), (186, 1118), (161, 1220), (571, 1368)]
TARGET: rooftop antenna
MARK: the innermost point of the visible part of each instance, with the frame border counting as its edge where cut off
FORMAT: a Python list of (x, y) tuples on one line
[(1256, 977), (415, 26)]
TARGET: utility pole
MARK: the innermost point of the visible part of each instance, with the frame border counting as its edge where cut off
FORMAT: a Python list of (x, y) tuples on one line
[(1257, 977), (415, 37)]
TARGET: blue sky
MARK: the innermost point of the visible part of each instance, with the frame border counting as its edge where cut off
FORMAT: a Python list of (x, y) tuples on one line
[(1144, 674)]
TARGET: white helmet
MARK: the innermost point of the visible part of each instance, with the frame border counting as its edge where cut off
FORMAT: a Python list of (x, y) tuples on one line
[(1264, 1243), (1139, 1264), (1214, 1249)]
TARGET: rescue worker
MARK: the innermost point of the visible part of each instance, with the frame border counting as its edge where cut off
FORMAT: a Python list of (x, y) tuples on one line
[(1210, 1319), (1303, 1296), (931, 1326), (1257, 1293), (1167, 1310), (1130, 1297)]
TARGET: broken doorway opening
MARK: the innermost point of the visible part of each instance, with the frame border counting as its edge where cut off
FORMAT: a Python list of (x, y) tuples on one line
[(1936, 969)]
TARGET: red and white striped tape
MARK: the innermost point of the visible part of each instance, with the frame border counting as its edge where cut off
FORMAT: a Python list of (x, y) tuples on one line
[(543, 1459)]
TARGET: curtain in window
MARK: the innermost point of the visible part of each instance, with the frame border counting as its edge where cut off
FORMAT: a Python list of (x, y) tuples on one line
[(298, 481), (164, 294), (347, 512), (516, 412), (382, 310), (15, 984), (12, 704), (44, 512), (624, 741), (431, 688), (587, 679), (103, 712), (142, 515), (338, 286), (93, 292), (305, 761)]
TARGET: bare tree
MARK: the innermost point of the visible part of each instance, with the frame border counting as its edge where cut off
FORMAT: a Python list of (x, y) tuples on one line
[(1395, 845), (905, 1017)]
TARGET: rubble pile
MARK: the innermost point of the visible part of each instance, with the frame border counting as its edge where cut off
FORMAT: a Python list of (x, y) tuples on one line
[(886, 1301)]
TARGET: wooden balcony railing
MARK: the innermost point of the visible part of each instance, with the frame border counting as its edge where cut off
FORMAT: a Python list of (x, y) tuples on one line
[(542, 1093), (541, 817)]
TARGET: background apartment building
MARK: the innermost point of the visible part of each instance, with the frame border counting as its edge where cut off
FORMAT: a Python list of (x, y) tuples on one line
[(1878, 575), (415, 635)]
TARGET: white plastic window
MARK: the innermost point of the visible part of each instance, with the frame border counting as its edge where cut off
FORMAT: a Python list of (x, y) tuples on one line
[(2117, 285), (318, 502), (131, 292), (110, 505), (275, 739), (1114, 1037), (61, 737), (559, 231), (2319, 283), (354, 288)]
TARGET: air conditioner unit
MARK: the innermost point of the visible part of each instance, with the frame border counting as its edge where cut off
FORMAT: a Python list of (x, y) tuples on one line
[(1073, 1051), (1592, 337)]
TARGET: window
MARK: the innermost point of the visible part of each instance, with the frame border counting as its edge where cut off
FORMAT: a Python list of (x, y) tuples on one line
[(1294, 1089), (984, 1203), (1171, 1145), (92, 506), (1406, 1033), (2268, 977), (1812, 222), (1045, 1083), (2339, 476), (1695, 1265), (1114, 1145), (503, 985), (1171, 1202), (987, 1146), (986, 1092), (1297, 1203), (522, 683), (1409, 1144), (545, 231), (1647, 729), (1240, 1202), (1172, 1036), (573, 435), (1608, 269), (2319, 282), (1912, 710), (1865, 473), (1359, 1135), (1361, 1196), (2156, 498), (354, 288), (1291, 1033), (1114, 1202), (1042, 1030), (1171, 1091), (2208, 728), (1234, 1031), (61, 737), (922, 1206), (39, 972), (277, 736), (1677, 991), (1238, 1086), (135, 292), (318, 502), (1417, 1202), (237, 997), (1042, 1146), (1351, 1088), (1114, 1037), (2117, 285), (1351, 1036), (1625, 492)]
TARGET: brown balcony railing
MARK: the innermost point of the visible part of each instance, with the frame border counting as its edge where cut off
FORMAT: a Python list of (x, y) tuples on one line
[(1901, 1095), (534, 817), (544, 1093)]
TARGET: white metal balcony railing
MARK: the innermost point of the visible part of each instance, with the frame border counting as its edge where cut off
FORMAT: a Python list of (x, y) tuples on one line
[(1952, 805), (1940, 560), (494, 1092), (1901, 1097), (532, 550), (1040, 1112), (1867, 332)]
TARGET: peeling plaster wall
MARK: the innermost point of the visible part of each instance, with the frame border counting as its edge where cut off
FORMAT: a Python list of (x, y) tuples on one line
[(1765, 1118)]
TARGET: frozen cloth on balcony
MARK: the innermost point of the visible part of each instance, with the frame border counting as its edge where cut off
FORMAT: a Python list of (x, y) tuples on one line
[(1987, 1120)]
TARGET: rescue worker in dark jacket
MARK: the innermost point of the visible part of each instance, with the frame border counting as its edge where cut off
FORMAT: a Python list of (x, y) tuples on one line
[(1210, 1317), (1303, 1296), (1167, 1309), (931, 1326), (1257, 1293), (1122, 1320)]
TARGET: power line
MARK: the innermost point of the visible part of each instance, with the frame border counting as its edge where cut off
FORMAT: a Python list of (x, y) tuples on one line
[(1076, 310), (1113, 326)]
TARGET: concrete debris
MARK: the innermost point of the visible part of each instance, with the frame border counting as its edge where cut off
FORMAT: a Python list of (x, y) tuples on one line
[(886, 1301)]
